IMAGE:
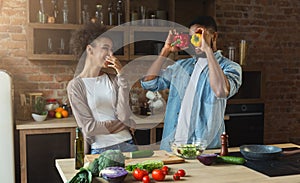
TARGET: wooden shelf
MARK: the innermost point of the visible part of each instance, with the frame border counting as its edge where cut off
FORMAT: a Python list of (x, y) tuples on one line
[(51, 57), (54, 26), (39, 33)]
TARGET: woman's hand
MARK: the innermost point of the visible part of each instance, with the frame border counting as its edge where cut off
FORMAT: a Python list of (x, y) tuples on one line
[(114, 63)]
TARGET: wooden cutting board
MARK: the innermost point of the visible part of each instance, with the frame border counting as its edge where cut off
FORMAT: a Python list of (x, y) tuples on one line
[(162, 155)]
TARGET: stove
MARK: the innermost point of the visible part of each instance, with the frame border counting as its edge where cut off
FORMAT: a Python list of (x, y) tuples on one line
[(285, 165)]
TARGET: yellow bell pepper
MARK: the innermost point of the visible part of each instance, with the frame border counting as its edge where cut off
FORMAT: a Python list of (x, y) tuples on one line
[(196, 39)]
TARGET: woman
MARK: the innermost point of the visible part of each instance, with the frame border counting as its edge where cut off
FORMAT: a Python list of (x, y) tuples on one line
[(99, 100)]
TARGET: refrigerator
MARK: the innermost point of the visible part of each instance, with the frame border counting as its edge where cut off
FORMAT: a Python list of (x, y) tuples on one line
[(7, 165)]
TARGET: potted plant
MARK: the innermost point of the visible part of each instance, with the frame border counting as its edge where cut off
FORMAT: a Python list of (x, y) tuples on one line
[(39, 112)]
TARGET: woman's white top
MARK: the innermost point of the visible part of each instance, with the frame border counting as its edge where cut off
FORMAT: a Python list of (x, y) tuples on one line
[(101, 98)]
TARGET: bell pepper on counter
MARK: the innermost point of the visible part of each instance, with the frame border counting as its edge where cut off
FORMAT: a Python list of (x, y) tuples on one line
[(181, 40), (196, 39)]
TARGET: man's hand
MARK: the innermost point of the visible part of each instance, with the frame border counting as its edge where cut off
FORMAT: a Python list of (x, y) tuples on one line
[(206, 39), (170, 40)]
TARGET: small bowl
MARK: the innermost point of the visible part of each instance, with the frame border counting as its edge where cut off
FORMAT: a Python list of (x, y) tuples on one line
[(38, 117), (189, 151)]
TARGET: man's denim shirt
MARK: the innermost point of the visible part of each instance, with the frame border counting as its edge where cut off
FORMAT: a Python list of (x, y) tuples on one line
[(208, 110)]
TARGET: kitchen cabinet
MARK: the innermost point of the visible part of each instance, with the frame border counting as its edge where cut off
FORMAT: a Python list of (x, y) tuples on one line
[(50, 41), (41, 143)]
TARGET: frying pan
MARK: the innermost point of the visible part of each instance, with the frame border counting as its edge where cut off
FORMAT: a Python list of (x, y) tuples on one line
[(264, 152)]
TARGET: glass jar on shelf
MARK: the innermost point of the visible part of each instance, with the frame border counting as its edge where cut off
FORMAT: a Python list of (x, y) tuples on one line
[(51, 104)]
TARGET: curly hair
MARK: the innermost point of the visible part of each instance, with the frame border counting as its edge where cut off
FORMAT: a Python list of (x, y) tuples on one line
[(84, 36)]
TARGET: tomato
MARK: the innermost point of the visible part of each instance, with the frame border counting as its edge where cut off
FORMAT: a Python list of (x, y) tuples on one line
[(146, 179), (138, 174), (165, 169), (176, 176), (181, 172), (158, 174)]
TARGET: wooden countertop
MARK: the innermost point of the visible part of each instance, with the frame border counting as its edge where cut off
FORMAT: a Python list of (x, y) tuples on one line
[(196, 171), (143, 122), (48, 123)]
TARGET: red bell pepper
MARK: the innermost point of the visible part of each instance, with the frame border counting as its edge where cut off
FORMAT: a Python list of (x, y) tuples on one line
[(181, 40)]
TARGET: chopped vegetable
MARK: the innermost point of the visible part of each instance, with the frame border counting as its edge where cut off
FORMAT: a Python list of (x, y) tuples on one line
[(196, 39), (181, 40), (148, 165), (138, 174), (94, 167), (114, 174), (176, 176), (189, 151), (231, 160), (165, 169), (181, 172), (207, 159), (111, 158), (146, 179), (83, 176), (158, 174)]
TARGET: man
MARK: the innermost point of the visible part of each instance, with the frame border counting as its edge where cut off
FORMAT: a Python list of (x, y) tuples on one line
[(198, 88)]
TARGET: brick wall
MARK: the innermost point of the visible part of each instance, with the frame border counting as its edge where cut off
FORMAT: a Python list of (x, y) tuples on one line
[(271, 28)]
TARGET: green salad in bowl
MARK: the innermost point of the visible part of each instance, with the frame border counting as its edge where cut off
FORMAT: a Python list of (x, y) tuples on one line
[(189, 151)]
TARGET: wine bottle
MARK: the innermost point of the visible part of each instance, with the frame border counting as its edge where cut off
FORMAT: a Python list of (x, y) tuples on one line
[(79, 149), (65, 11), (99, 13), (111, 14), (120, 15)]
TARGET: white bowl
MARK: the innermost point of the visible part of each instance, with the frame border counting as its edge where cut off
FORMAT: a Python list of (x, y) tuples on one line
[(38, 117)]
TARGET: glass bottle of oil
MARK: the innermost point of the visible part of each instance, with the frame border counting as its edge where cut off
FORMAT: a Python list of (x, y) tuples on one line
[(79, 149)]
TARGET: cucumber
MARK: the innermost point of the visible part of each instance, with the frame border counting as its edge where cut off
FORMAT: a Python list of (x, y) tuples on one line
[(231, 160), (141, 154)]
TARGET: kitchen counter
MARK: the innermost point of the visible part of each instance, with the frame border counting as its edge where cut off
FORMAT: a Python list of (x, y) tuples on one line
[(197, 172), (49, 123), (143, 122)]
